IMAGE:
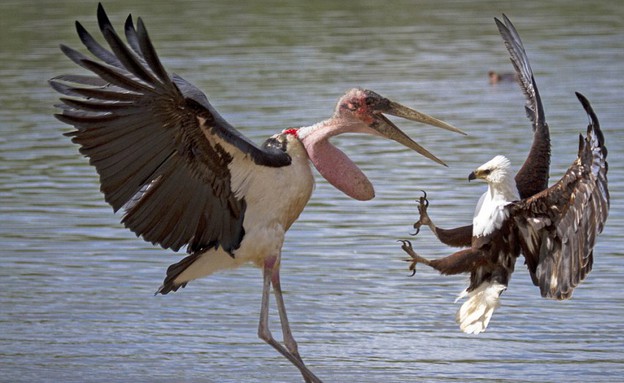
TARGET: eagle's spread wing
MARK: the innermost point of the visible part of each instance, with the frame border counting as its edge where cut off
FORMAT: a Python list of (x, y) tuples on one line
[(557, 228), (161, 150), (520, 61), (533, 176)]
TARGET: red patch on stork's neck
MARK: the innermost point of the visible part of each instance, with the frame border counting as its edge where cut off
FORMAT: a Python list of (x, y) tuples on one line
[(293, 131)]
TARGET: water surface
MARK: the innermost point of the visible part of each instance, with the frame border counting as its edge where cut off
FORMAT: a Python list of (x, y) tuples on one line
[(77, 301)]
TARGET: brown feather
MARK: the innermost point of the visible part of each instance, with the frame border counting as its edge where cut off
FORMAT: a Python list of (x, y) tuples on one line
[(558, 227), (457, 237)]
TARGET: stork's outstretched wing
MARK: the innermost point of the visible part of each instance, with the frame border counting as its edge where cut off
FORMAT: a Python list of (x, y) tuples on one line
[(533, 176), (162, 152), (558, 227)]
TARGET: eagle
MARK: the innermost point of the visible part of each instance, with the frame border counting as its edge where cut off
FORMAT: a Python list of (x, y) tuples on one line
[(554, 228)]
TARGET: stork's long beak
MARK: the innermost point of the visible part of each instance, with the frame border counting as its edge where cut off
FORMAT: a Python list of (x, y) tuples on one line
[(387, 129)]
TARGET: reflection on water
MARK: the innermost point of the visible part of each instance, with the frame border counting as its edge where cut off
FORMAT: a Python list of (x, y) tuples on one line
[(77, 300)]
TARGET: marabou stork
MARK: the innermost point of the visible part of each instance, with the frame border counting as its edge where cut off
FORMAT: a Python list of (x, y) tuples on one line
[(554, 228), (186, 177)]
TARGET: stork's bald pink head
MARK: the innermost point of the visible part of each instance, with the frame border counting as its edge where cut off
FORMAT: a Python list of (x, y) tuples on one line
[(360, 111)]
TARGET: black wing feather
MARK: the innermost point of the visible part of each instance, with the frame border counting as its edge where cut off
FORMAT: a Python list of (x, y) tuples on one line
[(558, 227), (127, 56), (131, 35), (142, 130), (95, 48), (149, 53), (533, 176), (520, 61)]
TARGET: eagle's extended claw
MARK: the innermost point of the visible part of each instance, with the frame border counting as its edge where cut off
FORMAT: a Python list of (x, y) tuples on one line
[(407, 247), (424, 197), (415, 258), (423, 204)]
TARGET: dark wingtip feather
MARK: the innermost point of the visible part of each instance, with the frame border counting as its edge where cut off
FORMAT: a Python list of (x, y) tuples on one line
[(507, 21), (102, 17), (131, 35), (79, 28), (521, 64), (594, 123), (71, 53), (588, 109), (149, 52), (95, 48), (58, 86), (129, 24), (581, 145), (499, 24), (584, 102)]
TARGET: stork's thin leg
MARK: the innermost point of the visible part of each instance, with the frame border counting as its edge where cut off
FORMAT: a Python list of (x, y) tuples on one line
[(289, 340), (271, 275)]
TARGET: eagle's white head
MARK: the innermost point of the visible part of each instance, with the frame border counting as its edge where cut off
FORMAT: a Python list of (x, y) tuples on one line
[(495, 172), (499, 176)]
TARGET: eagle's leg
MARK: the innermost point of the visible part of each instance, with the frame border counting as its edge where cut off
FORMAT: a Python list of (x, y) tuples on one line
[(456, 237), (415, 258), (462, 261), (424, 219)]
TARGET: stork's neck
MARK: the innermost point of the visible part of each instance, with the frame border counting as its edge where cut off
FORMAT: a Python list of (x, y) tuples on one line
[(331, 162), (324, 130)]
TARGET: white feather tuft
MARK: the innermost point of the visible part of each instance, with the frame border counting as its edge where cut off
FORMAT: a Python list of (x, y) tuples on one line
[(490, 213), (498, 162), (475, 314)]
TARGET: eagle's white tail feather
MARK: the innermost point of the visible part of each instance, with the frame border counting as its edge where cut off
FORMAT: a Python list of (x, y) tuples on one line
[(475, 314)]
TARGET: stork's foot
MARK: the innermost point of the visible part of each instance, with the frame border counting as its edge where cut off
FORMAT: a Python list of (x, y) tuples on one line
[(414, 258), (423, 204)]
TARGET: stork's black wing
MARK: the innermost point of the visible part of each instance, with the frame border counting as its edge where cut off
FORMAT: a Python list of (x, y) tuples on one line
[(534, 173), (162, 152), (558, 227)]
